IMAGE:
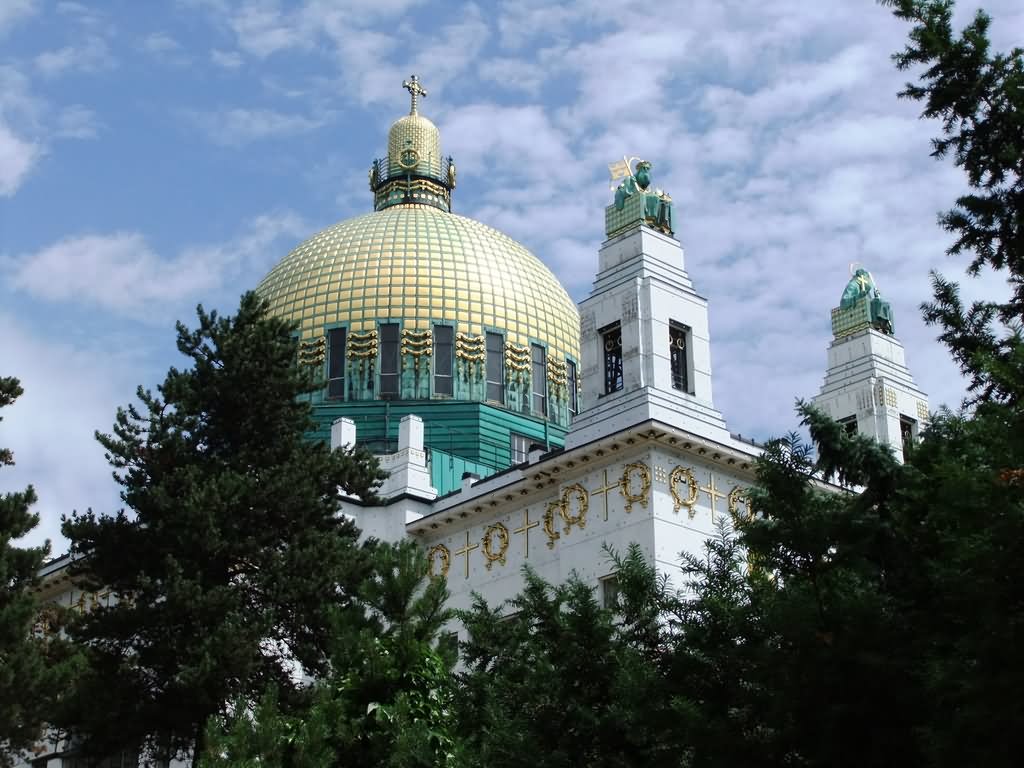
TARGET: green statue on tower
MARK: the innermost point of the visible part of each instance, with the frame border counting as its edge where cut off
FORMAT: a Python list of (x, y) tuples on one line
[(862, 295), (635, 200)]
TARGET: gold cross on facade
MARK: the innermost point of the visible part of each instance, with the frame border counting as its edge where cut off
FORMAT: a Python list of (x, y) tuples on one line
[(412, 85), (466, 550), (713, 493), (607, 487), (525, 530)]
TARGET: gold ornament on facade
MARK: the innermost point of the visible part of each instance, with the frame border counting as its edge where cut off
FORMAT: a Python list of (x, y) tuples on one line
[(362, 344), (550, 529), (517, 357), (312, 351), (739, 497), (684, 475), (416, 344), (626, 485), (442, 553), (579, 517), (499, 531)]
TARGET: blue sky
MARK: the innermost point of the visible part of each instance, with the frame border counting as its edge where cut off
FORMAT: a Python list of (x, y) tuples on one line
[(157, 155)]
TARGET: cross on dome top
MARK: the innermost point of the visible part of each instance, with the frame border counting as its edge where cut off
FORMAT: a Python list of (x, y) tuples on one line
[(415, 89)]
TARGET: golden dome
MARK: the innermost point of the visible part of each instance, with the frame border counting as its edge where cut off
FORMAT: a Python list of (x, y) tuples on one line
[(414, 144), (419, 265)]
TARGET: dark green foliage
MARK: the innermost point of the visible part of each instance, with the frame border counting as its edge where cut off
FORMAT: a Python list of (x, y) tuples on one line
[(23, 670), (978, 96), (387, 697), (554, 679), (232, 558)]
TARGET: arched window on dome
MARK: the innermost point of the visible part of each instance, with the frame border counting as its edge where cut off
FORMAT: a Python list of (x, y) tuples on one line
[(444, 359), (389, 361), (572, 386), (539, 379), (336, 363), (495, 367)]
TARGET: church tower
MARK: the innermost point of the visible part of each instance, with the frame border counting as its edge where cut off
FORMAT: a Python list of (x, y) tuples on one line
[(868, 387), (644, 336)]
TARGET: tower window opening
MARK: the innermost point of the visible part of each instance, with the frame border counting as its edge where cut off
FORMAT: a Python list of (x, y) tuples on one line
[(336, 363), (611, 339), (496, 367), (849, 425), (572, 385), (540, 380), (389, 360), (908, 433), (679, 355), (444, 340)]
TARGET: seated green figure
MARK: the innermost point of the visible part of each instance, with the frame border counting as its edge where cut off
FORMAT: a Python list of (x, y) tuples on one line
[(862, 288), (657, 207)]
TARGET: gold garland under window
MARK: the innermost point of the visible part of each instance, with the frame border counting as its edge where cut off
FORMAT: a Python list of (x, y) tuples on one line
[(684, 474), (645, 485), (439, 551), (501, 531)]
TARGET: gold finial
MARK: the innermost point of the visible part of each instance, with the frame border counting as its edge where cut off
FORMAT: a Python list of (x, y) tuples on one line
[(412, 85)]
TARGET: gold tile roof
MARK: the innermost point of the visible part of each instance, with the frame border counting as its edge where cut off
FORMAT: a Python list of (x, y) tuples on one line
[(419, 265)]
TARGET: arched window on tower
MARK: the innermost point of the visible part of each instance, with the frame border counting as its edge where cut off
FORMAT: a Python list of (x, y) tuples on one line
[(679, 355), (611, 340)]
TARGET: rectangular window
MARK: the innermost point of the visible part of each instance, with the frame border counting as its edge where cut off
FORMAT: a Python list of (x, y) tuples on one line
[(444, 342), (679, 358), (540, 380), (849, 425), (610, 592), (908, 433), (520, 445), (389, 360), (572, 386), (336, 363), (496, 367), (611, 338)]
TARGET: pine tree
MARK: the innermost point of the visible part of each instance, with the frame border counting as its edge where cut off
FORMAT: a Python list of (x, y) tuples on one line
[(24, 677), (979, 98), (231, 558), (555, 679), (387, 698)]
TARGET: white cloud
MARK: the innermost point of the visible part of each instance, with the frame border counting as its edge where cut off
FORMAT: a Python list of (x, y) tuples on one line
[(76, 122), (54, 449), (12, 12), (89, 56), (159, 42), (226, 59), (17, 157), (238, 126), (121, 273)]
